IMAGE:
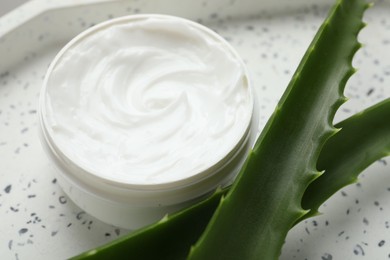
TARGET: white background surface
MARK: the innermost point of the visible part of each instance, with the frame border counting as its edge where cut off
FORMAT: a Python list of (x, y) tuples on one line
[(39, 222), (8, 5)]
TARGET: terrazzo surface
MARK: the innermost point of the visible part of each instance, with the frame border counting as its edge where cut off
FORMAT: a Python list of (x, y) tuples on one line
[(37, 218)]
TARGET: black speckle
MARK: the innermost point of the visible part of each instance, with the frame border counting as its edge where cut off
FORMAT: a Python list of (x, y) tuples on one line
[(51, 206), (90, 224), (8, 189), (358, 250), (4, 74), (54, 181), (22, 231), (14, 209), (250, 28), (70, 224), (370, 91), (24, 130), (199, 20), (31, 196), (382, 161), (32, 111), (117, 231), (381, 243), (53, 233), (365, 221), (37, 220), (213, 15), (107, 234), (10, 244), (341, 233), (62, 199), (79, 215), (344, 194), (327, 256)]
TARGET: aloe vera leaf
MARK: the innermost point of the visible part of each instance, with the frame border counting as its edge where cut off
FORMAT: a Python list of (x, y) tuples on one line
[(343, 152), (121, 248), (170, 238), (252, 221), (364, 138)]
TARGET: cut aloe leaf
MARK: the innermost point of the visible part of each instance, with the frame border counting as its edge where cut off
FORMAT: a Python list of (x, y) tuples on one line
[(252, 221)]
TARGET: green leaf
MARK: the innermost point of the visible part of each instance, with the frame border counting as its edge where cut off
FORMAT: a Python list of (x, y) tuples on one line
[(265, 201), (364, 138), (170, 238)]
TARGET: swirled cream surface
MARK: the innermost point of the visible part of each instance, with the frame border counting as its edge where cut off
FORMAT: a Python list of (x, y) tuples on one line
[(147, 100)]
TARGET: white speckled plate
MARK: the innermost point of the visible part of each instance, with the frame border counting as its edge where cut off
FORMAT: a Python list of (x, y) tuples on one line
[(38, 221)]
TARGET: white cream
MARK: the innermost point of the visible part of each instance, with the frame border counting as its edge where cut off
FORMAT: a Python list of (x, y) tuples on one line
[(147, 101)]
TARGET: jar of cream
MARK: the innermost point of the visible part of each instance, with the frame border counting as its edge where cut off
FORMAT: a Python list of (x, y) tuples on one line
[(144, 115)]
